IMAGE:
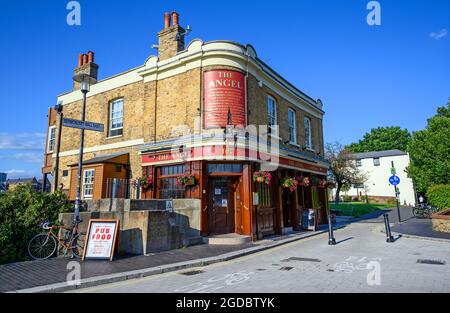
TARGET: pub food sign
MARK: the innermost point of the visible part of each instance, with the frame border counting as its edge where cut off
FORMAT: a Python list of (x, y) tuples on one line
[(101, 239)]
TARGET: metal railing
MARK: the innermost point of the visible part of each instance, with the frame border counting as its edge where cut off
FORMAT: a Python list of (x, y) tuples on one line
[(123, 189)]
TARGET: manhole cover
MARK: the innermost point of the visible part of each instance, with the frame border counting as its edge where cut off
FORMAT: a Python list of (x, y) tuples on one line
[(431, 262), (301, 260), (286, 268), (191, 273)]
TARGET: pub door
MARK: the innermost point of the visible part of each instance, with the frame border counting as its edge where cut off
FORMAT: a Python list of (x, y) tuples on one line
[(221, 206), (287, 208)]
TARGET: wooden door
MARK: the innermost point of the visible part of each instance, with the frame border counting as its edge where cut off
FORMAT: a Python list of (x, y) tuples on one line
[(239, 205), (221, 207)]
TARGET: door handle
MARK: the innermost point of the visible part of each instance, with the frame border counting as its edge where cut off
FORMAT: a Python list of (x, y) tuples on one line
[(206, 208), (245, 207)]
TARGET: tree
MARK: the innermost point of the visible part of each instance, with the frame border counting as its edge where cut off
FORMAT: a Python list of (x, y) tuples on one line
[(430, 152), (343, 167), (381, 139)]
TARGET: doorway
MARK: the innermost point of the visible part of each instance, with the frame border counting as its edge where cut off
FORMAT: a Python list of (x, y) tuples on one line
[(225, 205)]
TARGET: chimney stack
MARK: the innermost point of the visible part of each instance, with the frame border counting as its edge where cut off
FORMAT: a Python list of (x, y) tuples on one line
[(166, 20), (171, 38), (86, 65)]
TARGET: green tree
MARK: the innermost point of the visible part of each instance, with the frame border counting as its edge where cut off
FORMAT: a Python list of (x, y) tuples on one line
[(22, 211), (430, 152), (381, 139), (343, 168)]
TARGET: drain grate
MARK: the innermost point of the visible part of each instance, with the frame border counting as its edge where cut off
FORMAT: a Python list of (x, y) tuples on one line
[(431, 262), (192, 273), (301, 260), (286, 268), (260, 269)]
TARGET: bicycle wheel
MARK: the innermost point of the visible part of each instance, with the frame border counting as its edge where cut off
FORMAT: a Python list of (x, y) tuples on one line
[(42, 247), (77, 245)]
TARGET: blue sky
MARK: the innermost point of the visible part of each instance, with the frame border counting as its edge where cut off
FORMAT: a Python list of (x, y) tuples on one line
[(367, 76)]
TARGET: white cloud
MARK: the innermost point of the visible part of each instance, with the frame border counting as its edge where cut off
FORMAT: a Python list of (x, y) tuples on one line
[(29, 157), (22, 141), (439, 35)]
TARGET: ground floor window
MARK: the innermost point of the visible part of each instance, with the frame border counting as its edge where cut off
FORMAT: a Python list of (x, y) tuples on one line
[(88, 183), (167, 182)]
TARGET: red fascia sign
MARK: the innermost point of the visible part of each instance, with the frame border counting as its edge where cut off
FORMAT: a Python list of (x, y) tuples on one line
[(224, 91)]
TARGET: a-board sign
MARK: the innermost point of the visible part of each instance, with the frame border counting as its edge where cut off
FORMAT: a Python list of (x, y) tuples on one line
[(101, 239)]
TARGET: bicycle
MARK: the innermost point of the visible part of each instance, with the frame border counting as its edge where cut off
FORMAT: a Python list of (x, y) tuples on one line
[(43, 246), (424, 211)]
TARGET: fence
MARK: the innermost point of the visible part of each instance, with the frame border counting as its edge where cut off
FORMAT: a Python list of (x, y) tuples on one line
[(123, 189)]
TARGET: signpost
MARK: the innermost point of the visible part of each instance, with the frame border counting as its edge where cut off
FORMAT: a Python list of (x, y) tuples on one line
[(394, 180), (72, 123)]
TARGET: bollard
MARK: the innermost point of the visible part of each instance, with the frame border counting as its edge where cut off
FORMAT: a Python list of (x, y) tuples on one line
[(331, 240), (389, 237), (115, 188), (138, 189)]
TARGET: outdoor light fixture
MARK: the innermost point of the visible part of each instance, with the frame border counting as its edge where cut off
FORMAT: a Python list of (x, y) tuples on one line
[(85, 81)]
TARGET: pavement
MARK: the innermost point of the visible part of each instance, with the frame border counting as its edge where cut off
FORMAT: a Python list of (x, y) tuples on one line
[(361, 262), (51, 275)]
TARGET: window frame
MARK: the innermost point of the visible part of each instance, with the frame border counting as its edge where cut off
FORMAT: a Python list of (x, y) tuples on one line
[(376, 162), (272, 116), (160, 177), (111, 119), (51, 130), (308, 135), (90, 170), (358, 163), (292, 127)]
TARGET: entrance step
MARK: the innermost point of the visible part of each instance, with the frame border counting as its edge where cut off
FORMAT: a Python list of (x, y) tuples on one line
[(227, 239)]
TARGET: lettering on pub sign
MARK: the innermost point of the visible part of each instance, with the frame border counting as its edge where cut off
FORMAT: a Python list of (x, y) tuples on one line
[(224, 92)]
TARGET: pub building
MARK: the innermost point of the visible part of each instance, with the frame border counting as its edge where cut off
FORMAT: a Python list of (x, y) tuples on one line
[(206, 120)]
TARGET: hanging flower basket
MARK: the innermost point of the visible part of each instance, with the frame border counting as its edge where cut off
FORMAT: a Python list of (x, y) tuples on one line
[(186, 180), (304, 181), (322, 184), (262, 177), (146, 183), (289, 183)]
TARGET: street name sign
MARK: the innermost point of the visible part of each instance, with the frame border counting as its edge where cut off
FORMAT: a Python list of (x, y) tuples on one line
[(394, 180), (72, 123)]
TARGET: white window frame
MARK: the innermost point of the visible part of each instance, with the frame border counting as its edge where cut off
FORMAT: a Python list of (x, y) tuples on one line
[(51, 141), (293, 127), (111, 119), (89, 184), (272, 116), (308, 136)]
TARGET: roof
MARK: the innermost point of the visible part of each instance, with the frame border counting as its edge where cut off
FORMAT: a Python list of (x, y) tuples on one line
[(22, 180), (102, 158), (377, 154)]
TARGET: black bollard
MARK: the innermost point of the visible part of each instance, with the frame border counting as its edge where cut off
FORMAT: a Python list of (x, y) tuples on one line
[(331, 240), (389, 237)]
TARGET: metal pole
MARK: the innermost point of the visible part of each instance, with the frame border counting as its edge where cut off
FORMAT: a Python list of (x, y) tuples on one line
[(58, 148), (396, 199), (80, 162), (331, 239), (389, 237)]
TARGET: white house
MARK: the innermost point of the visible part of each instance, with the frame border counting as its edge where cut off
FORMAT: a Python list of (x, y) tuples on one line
[(377, 166)]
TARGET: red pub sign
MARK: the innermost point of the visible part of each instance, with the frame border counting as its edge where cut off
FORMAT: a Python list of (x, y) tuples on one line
[(224, 91)]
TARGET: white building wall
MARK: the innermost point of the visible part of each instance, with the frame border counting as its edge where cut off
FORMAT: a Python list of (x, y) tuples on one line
[(378, 179)]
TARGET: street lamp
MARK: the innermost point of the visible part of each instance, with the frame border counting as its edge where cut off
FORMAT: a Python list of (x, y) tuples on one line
[(59, 109), (85, 81)]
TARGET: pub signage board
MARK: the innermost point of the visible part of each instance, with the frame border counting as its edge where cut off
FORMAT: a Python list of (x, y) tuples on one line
[(101, 239)]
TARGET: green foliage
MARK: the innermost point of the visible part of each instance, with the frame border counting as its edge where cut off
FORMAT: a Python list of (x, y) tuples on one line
[(357, 209), (22, 211), (429, 151), (382, 138), (439, 196), (347, 198)]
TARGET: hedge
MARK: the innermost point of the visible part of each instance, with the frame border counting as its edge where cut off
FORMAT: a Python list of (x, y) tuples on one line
[(22, 211), (439, 196)]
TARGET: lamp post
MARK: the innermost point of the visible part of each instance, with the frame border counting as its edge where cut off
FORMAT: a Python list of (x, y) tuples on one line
[(85, 81), (59, 109)]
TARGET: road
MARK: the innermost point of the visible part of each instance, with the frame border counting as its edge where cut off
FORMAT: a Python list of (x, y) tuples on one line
[(362, 261)]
